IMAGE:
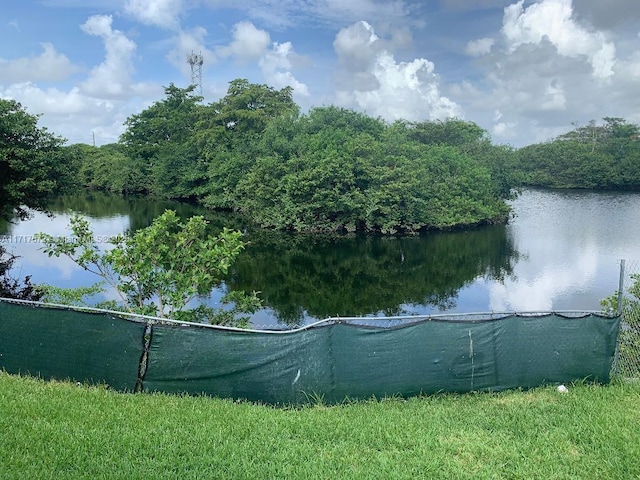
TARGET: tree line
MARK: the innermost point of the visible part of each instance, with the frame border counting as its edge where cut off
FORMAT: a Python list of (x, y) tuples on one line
[(327, 170), (605, 156)]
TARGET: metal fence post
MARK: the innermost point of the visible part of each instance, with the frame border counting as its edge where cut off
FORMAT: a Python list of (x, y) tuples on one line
[(621, 286), (616, 353)]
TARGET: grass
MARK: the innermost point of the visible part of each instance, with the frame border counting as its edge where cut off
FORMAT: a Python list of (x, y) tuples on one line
[(62, 430)]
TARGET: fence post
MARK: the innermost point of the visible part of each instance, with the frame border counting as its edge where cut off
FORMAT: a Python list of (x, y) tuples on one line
[(621, 286), (616, 353)]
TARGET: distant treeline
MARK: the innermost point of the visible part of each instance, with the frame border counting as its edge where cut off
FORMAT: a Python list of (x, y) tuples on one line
[(594, 156), (327, 170)]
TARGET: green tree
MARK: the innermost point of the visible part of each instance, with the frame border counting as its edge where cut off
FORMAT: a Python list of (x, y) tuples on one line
[(594, 156), (338, 170), (109, 168), (160, 142), (229, 132), (160, 269), (453, 132), (31, 161)]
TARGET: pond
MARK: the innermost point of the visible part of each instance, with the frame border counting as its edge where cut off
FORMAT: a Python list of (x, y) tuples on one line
[(560, 251)]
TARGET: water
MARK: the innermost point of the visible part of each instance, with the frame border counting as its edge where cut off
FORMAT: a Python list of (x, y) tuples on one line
[(561, 251)]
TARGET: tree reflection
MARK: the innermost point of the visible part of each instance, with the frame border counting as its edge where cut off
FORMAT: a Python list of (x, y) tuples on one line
[(334, 275), (328, 276)]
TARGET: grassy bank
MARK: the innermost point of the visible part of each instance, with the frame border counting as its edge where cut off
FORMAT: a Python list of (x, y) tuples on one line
[(61, 430)]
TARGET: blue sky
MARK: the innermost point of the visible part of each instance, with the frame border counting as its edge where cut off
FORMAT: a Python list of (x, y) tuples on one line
[(523, 70)]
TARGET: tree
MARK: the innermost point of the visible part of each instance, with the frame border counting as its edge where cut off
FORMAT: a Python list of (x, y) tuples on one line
[(31, 161), (160, 269), (229, 132), (593, 156), (160, 142), (108, 168), (11, 287)]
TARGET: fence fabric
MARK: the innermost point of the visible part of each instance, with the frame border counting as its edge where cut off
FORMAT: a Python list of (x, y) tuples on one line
[(67, 344), (333, 361), (342, 360)]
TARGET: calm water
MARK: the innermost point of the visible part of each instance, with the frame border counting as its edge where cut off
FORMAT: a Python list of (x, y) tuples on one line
[(561, 251)]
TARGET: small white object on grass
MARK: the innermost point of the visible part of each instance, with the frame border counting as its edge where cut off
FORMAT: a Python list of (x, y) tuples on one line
[(562, 389)]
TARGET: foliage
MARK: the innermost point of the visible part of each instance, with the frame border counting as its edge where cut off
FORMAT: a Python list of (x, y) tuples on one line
[(161, 269), (159, 143), (595, 156), (11, 287), (109, 168), (630, 303), (330, 170), (70, 296), (228, 132), (33, 167), (339, 170)]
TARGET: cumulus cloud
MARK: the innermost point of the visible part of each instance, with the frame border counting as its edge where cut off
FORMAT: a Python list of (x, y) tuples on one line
[(249, 42), (71, 113), (276, 60), (547, 69), (552, 20), (160, 13), (373, 80), (276, 65), (187, 42), (100, 104), (50, 65), (482, 46), (112, 78)]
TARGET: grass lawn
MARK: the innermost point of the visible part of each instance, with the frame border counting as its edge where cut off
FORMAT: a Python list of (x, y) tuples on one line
[(62, 430)]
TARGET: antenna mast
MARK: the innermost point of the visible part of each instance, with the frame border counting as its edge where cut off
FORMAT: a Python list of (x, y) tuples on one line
[(196, 61)]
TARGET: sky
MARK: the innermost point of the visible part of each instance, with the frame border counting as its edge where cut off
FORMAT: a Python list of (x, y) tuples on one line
[(525, 71)]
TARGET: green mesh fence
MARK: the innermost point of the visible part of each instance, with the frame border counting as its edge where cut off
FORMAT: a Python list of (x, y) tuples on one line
[(67, 344), (335, 360)]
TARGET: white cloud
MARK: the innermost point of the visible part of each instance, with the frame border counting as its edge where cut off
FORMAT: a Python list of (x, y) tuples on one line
[(249, 42), (276, 67), (99, 104), (357, 46), (546, 70), (482, 46), (276, 60), (112, 78), (160, 13), (50, 65), (74, 115), (374, 81), (552, 20)]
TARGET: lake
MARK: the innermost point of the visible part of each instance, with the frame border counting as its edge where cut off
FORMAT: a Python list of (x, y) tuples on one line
[(560, 251)]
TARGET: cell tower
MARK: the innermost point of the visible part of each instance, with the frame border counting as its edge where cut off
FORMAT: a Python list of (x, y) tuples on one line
[(196, 61)]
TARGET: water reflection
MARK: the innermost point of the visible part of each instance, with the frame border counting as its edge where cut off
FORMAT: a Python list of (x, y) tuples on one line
[(570, 244), (561, 251), (327, 276)]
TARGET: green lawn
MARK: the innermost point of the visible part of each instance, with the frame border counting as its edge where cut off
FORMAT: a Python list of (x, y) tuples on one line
[(61, 430)]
